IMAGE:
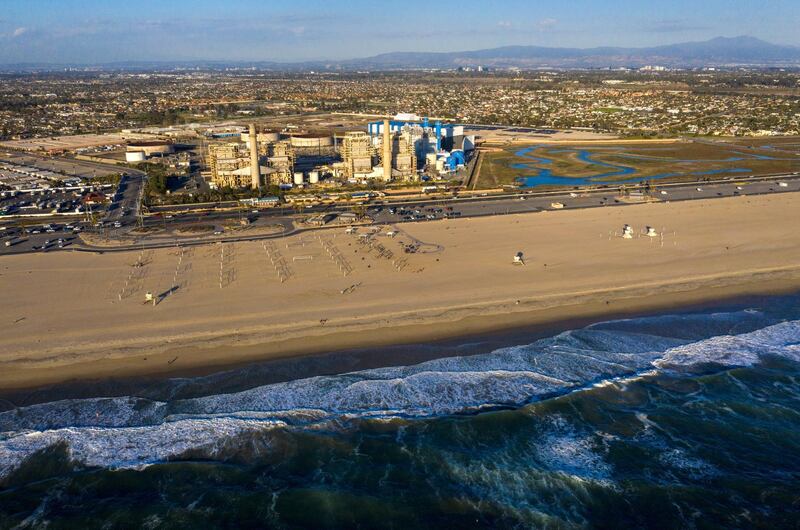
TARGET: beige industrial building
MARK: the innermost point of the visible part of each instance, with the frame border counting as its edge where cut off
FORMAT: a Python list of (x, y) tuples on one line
[(281, 159), (398, 154), (357, 155), (232, 163), (225, 160), (390, 156), (404, 158)]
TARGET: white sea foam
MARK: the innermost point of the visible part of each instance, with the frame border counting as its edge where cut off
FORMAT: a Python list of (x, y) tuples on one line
[(679, 459), (123, 432), (576, 454), (780, 340), (99, 412), (118, 447)]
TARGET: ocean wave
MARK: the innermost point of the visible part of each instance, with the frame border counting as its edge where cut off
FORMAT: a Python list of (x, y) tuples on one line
[(780, 340), (98, 412), (125, 432), (130, 447)]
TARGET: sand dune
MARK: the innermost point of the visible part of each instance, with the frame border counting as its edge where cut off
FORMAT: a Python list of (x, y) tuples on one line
[(79, 315)]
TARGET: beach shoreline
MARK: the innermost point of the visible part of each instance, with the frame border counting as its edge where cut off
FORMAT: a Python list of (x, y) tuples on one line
[(234, 352), (71, 321)]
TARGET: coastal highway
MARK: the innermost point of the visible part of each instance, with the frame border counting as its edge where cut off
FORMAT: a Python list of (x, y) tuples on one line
[(522, 202), (519, 202)]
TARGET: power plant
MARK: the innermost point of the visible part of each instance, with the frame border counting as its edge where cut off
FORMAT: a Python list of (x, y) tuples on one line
[(404, 149)]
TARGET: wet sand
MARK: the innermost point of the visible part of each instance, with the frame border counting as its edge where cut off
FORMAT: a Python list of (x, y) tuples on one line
[(77, 316)]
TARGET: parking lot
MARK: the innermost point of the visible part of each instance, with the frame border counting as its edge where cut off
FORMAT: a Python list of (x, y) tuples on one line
[(60, 201), (38, 237)]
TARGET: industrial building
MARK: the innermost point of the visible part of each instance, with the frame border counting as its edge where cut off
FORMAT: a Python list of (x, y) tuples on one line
[(403, 156), (281, 159), (436, 147), (399, 150), (443, 136), (232, 164), (357, 155), (225, 160)]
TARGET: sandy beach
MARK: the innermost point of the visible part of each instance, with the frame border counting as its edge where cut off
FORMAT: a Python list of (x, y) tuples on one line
[(74, 315)]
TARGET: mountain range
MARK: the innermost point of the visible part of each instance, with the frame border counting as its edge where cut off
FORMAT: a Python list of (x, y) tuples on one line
[(719, 51)]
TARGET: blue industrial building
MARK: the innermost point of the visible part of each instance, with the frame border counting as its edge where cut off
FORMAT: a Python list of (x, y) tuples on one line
[(448, 136)]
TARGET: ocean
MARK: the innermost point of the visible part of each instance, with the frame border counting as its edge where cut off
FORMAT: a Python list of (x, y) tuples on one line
[(682, 420)]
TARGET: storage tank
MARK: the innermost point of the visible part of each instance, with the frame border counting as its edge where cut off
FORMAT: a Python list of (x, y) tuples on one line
[(298, 178), (264, 137), (152, 147), (313, 177), (134, 157), (311, 140)]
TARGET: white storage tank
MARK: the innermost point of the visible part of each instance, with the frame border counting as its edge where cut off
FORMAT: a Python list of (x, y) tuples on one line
[(152, 147), (313, 177), (134, 157), (264, 137), (298, 178), (311, 140)]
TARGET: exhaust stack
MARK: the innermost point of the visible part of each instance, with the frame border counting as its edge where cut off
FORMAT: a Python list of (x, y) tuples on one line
[(255, 166), (387, 151)]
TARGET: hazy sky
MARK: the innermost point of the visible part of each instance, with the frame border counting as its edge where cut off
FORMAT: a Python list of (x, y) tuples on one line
[(91, 31)]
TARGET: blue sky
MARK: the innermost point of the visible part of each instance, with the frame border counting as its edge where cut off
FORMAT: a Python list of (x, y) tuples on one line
[(91, 31)]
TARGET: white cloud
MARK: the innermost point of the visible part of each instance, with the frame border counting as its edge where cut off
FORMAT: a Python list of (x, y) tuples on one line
[(18, 32), (547, 23), (504, 24)]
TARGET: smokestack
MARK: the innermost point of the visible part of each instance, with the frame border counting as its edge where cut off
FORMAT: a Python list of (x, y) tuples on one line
[(255, 166), (387, 151)]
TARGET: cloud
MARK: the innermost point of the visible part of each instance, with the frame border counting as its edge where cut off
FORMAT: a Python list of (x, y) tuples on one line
[(547, 24), (276, 26), (504, 24), (674, 25), (19, 32)]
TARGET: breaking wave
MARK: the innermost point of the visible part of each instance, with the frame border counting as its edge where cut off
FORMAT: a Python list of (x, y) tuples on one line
[(130, 432)]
